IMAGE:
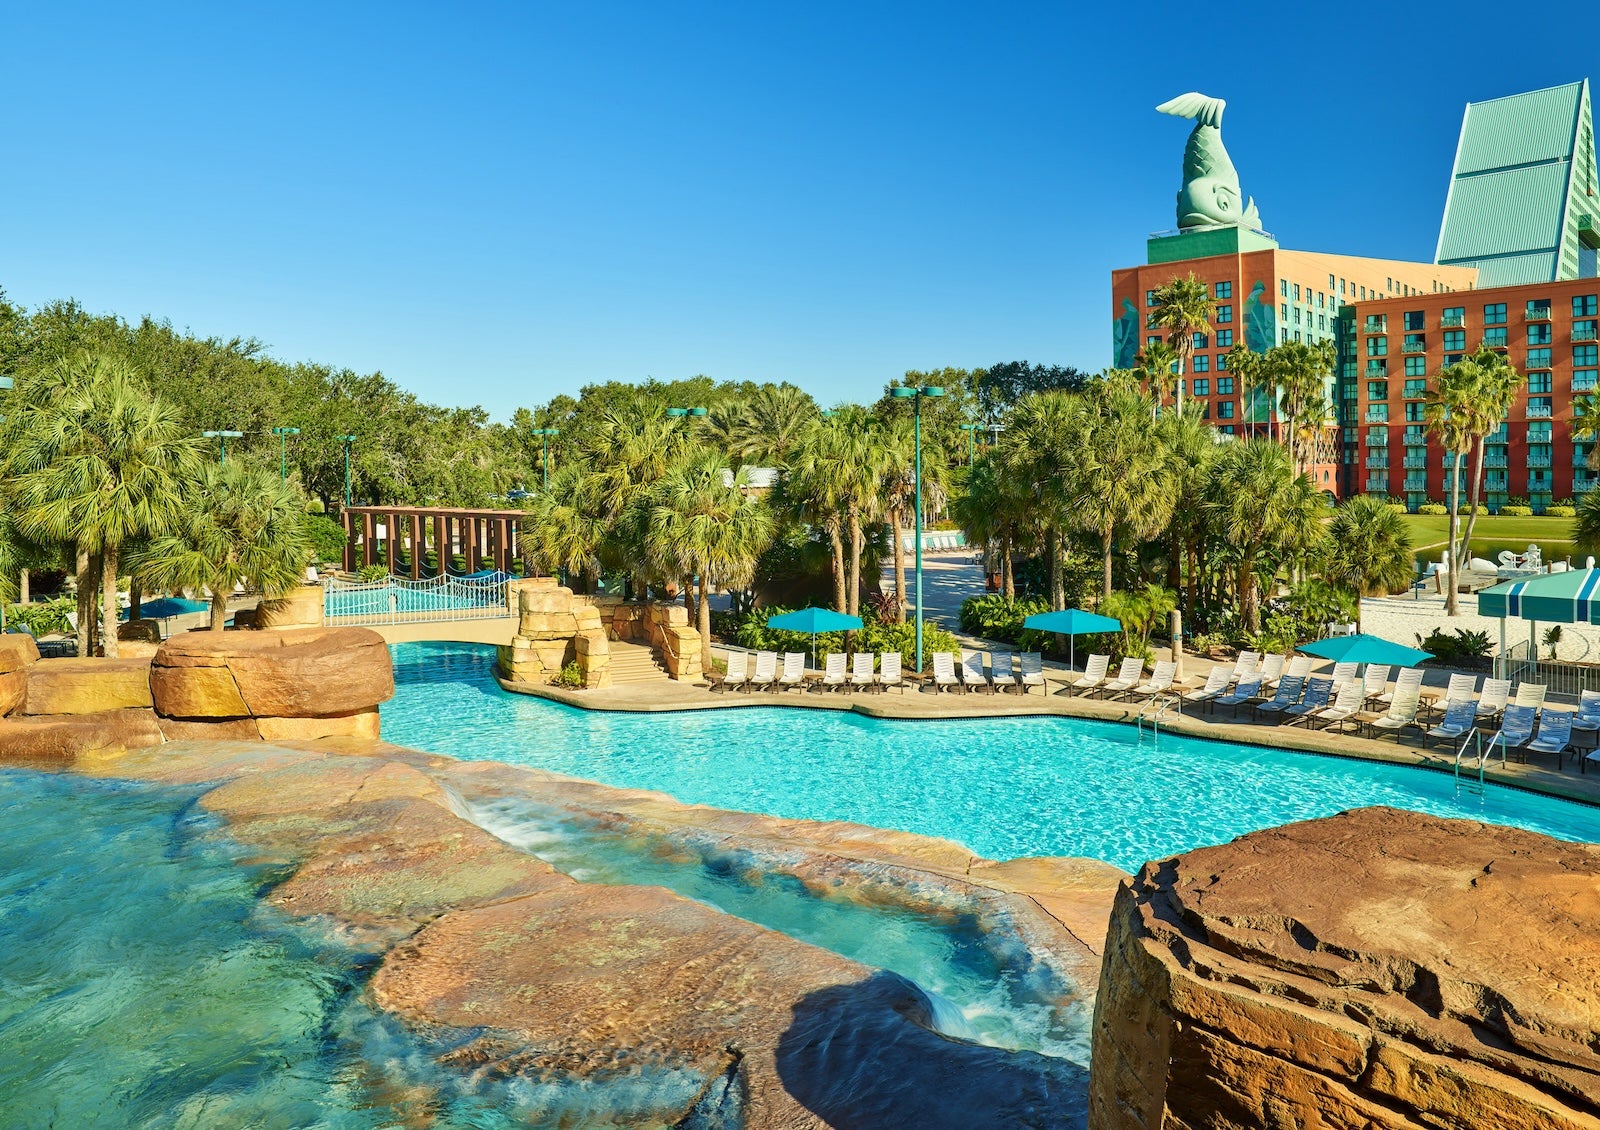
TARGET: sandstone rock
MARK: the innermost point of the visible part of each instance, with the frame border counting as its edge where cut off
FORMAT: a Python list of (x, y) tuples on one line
[(87, 686), (209, 729), (547, 625), (196, 692), (362, 724), (18, 652), (301, 607), (13, 689), (1375, 969), (148, 631), (293, 673), (680, 651), (61, 739), (137, 649)]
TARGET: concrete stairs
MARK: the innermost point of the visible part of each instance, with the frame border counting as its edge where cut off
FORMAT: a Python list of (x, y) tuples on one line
[(633, 663)]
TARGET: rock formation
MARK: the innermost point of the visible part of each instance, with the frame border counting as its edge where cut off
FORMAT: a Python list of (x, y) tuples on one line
[(1379, 969), (18, 654), (556, 627)]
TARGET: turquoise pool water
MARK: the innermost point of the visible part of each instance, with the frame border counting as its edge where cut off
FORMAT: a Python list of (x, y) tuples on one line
[(1003, 787)]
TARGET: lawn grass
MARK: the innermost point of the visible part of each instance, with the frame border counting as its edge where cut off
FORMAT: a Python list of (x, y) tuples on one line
[(1493, 533)]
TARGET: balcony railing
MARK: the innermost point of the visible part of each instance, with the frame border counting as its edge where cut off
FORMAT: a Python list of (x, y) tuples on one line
[(1580, 457), (1538, 433), (1535, 460), (1452, 321), (1416, 482), (1378, 459), (1581, 481), (1538, 411), (1537, 313), (1378, 416), (1415, 462), (1491, 459), (1414, 347), (1585, 334), (1377, 484), (1416, 435), (1377, 326), (1377, 368)]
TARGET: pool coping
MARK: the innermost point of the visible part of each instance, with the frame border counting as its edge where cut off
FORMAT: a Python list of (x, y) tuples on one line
[(651, 698)]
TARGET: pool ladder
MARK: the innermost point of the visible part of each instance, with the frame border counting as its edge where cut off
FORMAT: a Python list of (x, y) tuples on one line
[(1481, 753), (1153, 711)]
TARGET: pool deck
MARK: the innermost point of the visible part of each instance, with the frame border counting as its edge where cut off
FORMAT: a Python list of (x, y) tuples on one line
[(924, 704)]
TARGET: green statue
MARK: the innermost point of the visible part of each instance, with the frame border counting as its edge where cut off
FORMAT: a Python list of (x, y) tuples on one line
[(1210, 195)]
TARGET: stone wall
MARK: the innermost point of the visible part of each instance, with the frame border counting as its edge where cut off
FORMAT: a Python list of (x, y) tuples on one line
[(664, 628), (556, 627), (301, 607), (1378, 969)]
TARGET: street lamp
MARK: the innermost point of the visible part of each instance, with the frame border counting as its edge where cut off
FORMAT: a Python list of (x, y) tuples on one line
[(283, 435), (915, 395), (695, 412), (972, 440), (222, 438), (6, 384), (546, 433), (348, 440)]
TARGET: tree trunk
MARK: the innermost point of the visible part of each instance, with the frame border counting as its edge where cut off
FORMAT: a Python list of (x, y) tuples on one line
[(1175, 559), (1053, 563), (1451, 607), (219, 611), (1193, 585), (1008, 582), (703, 623), (854, 590), (688, 598), (1477, 487), (838, 567), (895, 517), (22, 587), (88, 575), (1247, 593), (1106, 541), (108, 606)]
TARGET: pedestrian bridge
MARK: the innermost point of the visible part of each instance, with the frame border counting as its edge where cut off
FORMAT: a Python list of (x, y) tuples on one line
[(475, 609)]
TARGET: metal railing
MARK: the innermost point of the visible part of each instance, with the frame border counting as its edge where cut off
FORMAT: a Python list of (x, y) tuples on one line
[(1377, 439), (1375, 327), (1568, 680), (1538, 411), (402, 601), (1585, 333), (1414, 347), (1537, 313), (1452, 321), (1416, 482)]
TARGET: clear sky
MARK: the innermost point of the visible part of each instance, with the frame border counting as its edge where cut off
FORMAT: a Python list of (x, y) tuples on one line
[(494, 203)]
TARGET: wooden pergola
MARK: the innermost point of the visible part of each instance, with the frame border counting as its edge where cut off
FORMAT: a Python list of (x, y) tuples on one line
[(401, 536)]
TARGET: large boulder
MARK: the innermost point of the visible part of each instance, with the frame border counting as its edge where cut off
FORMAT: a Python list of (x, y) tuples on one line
[(301, 607), (61, 739), (294, 673), (1377, 969), (87, 686), (18, 653)]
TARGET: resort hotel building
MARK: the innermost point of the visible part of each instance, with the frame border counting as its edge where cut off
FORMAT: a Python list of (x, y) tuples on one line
[(1515, 269)]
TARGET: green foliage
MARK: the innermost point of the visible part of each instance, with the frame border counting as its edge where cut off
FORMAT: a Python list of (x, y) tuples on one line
[(316, 506), (570, 676), (43, 617), (995, 617), (750, 631), (372, 573), (1515, 510), (327, 537), (1555, 510), (1463, 648), (1140, 611), (1439, 508), (1552, 638)]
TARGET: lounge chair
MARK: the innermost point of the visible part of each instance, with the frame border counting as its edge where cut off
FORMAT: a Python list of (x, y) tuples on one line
[(1461, 686), (1031, 665), (1459, 717), (1587, 716), (1318, 691), (766, 668), (1216, 683), (1247, 663), (1128, 676), (944, 671), (1346, 705), (972, 671), (833, 677), (738, 671), (1300, 666), (1159, 682), (1243, 691), (1000, 670), (1555, 735), (1530, 694), (1344, 672), (1496, 693), (794, 670), (1289, 690), (1094, 673), (1272, 669), (1373, 680), (889, 672), (1402, 713), (1409, 679), (1516, 728), (861, 670)]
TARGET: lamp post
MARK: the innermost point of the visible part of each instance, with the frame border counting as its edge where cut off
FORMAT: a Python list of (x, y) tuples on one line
[(972, 440), (347, 440), (546, 433), (915, 395), (283, 435), (222, 438), (694, 412)]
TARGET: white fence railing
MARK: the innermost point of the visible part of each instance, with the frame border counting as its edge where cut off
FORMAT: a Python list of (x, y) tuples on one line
[(402, 601)]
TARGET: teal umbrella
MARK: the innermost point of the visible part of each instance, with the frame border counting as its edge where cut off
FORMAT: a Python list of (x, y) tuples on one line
[(1072, 622), (1363, 648), (812, 621)]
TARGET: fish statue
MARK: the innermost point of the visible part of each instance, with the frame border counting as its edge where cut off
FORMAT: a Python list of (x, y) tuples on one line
[(1210, 195)]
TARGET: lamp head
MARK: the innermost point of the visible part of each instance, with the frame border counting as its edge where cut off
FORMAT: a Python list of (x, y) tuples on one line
[(900, 392), (677, 412), (697, 412), (931, 390)]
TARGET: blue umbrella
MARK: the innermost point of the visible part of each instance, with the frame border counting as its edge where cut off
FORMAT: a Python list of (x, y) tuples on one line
[(1071, 622), (812, 621), (165, 607), (1363, 648)]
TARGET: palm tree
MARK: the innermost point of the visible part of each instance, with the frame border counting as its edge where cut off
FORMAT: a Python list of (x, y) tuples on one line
[(765, 428), (1368, 549), (241, 525), (813, 490), (1260, 504), (1586, 526), (98, 461), (1586, 425), (1191, 449), (1184, 307), (1120, 479), (704, 527), (1452, 411), (1495, 390), (1158, 364), (1037, 455), (993, 510), (899, 486), (568, 528)]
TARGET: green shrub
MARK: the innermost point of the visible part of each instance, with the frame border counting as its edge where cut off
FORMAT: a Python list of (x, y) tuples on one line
[(1514, 511), (1439, 508), (995, 617), (1462, 648), (1556, 510), (878, 637), (316, 506), (1398, 507), (327, 537), (44, 617), (373, 573), (569, 676)]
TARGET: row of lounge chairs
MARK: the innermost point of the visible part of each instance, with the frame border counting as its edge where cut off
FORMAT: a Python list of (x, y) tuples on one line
[(1029, 672)]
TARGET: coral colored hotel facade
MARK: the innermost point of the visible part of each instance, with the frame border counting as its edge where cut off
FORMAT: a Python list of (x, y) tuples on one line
[(1516, 271)]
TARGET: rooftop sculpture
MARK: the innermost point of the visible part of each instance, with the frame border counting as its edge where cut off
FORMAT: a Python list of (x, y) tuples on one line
[(1210, 195)]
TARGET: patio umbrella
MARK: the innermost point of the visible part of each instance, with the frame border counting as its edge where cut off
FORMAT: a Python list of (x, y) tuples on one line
[(811, 621), (1072, 622), (166, 607), (1363, 648)]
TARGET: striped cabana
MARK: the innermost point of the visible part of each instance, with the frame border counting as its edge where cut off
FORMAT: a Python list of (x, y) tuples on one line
[(1570, 597)]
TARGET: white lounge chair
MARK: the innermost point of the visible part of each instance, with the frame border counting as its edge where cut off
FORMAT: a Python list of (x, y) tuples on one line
[(1496, 693), (1555, 735), (861, 670), (1246, 664), (972, 671), (1000, 670), (794, 670), (1128, 676), (944, 671), (833, 676), (1094, 673), (1461, 686), (1516, 728), (1272, 669), (889, 674), (1301, 665), (1346, 705), (1344, 672), (1401, 714), (738, 671), (1032, 671), (1531, 694), (1290, 687), (1409, 679), (1318, 692), (766, 668), (1587, 716), (1216, 683), (1374, 679), (1159, 682), (1459, 717)]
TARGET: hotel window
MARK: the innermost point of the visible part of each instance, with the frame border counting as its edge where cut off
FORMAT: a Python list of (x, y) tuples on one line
[(1377, 347), (1202, 363), (1321, 304), (1391, 284), (1341, 288), (1377, 368), (1322, 321), (1222, 361), (1153, 339), (1540, 358), (1539, 333), (1494, 314), (1224, 386), (1224, 339), (1453, 316), (1539, 406), (1455, 339), (1416, 389), (1198, 341), (1538, 382), (1581, 355), (1149, 298), (1377, 390), (1416, 341), (1583, 306), (1363, 294), (1585, 330), (1297, 335), (1330, 282), (1224, 314), (1202, 387), (1297, 292), (1297, 315), (1283, 311), (1415, 320), (1224, 409), (1224, 290), (1583, 380), (1283, 287), (1416, 366), (1415, 411), (1452, 359), (1377, 413), (1494, 335), (1226, 429)]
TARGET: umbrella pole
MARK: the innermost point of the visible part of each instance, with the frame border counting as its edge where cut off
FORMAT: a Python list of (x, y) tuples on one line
[(1072, 653)]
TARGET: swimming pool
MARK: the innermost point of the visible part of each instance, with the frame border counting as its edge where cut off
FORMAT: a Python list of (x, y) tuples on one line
[(1004, 787)]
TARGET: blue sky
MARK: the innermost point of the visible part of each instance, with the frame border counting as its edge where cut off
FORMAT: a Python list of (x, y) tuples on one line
[(496, 203)]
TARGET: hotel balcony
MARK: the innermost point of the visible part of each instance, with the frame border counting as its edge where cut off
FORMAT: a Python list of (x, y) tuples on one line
[(1580, 457), (1376, 415), (1378, 369), (1494, 459), (1416, 437), (1378, 459), (1377, 439), (1416, 482), (1586, 335), (1537, 459), (1415, 462), (1538, 433), (1537, 313), (1377, 484), (1414, 347), (1452, 321), (1582, 481), (1538, 411), (1375, 326)]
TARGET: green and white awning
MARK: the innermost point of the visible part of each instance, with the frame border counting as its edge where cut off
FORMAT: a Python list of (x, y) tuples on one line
[(1572, 597)]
